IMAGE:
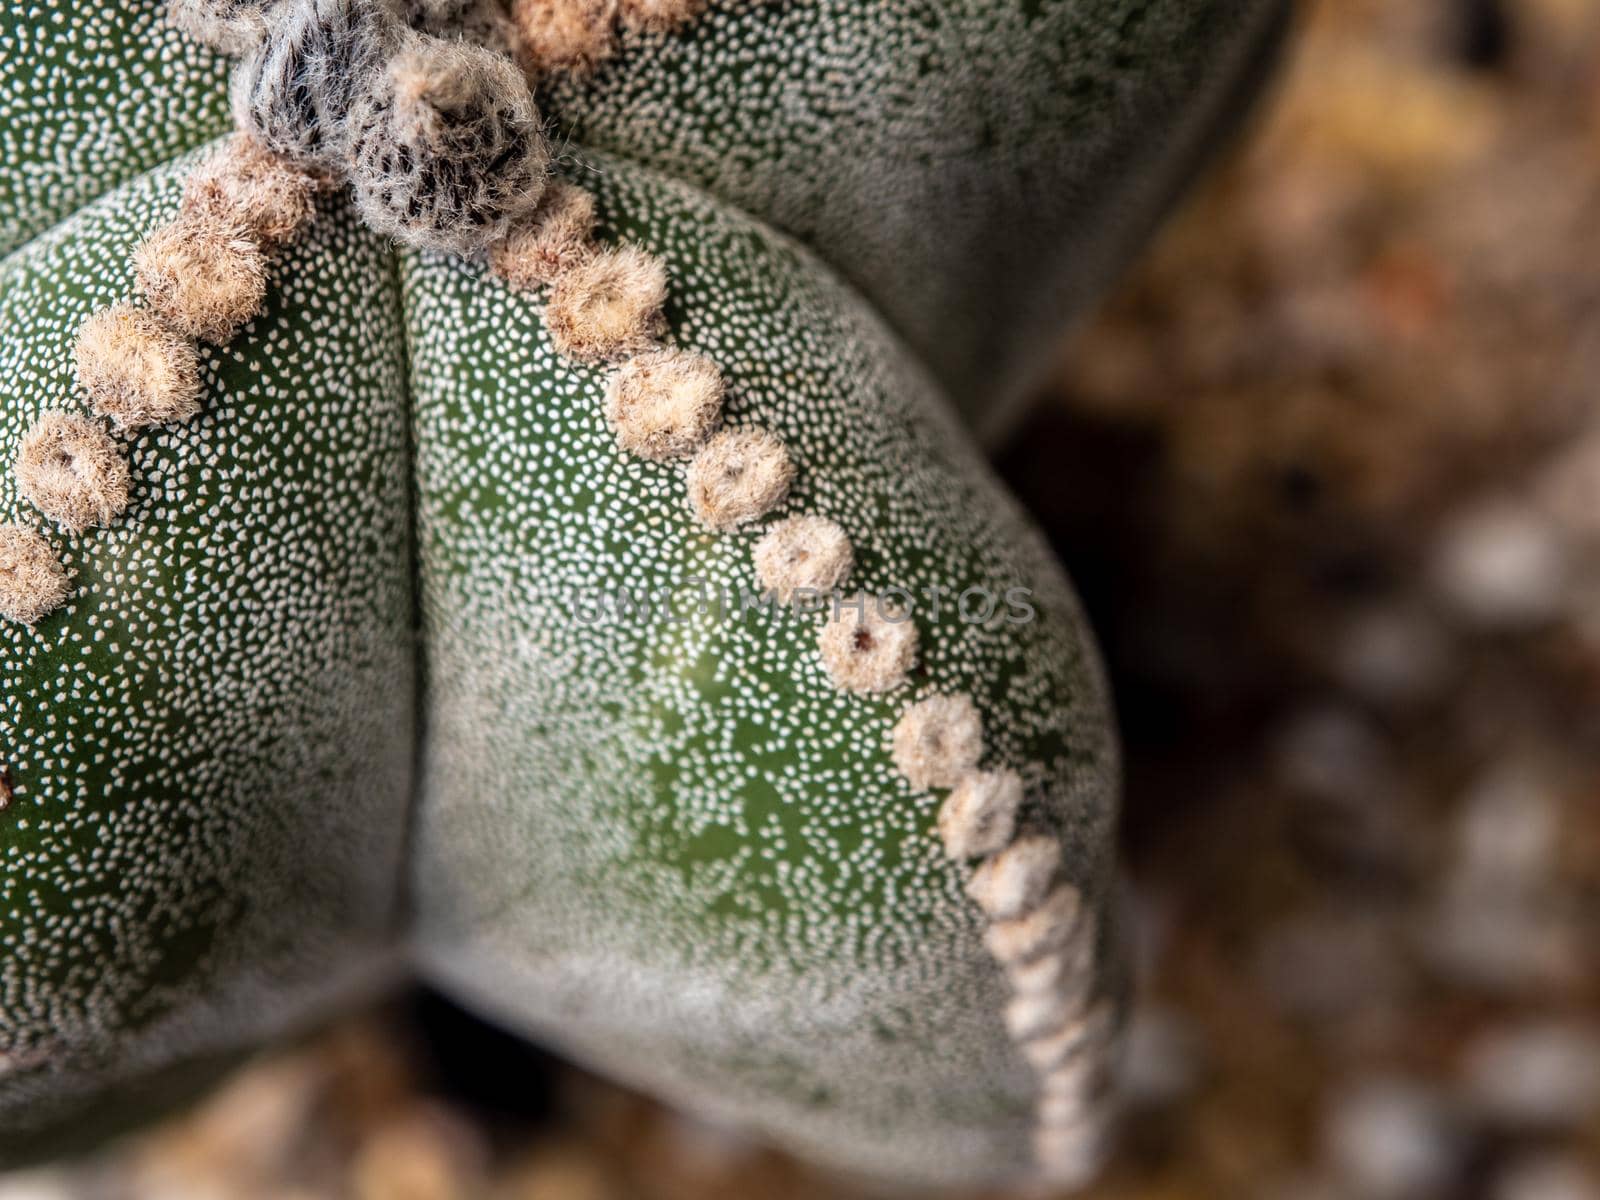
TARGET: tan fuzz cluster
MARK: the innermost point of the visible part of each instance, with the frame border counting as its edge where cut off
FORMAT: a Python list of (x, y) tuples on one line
[(553, 241), (868, 646), (980, 815), (70, 470), (1044, 938), (1048, 954), (665, 404), (609, 305), (205, 275), (136, 369), (938, 740), (565, 36), (1024, 941), (33, 583), (806, 555), (1061, 1052), (1013, 881), (659, 16), (1048, 1000), (573, 37), (1038, 930), (243, 182), (740, 475)]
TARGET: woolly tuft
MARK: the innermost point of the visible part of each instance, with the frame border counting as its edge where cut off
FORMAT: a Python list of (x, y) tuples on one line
[(938, 740), (665, 404), (1086, 1032), (294, 91), (482, 22), (227, 26), (804, 554), (70, 470), (1031, 1015), (246, 183), (1067, 970), (33, 584), (446, 148), (868, 646), (555, 239), (1026, 939), (204, 275), (565, 36), (659, 16), (609, 305), (740, 475), (1015, 881), (136, 369), (1070, 1156), (980, 815), (1063, 1088), (1048, 975)]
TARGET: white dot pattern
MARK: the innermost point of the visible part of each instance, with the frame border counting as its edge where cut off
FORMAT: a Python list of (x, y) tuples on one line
[(211, 742), (93, 93), (978, 168), (677, 849)]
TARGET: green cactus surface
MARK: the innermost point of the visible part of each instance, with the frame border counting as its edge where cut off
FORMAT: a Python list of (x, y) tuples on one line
[(977, 169), (665, 839), (212, 744)]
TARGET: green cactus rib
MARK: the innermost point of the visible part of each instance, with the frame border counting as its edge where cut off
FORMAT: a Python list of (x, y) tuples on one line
[(675, 847), (212, 741), (978, 169), (93, 95)]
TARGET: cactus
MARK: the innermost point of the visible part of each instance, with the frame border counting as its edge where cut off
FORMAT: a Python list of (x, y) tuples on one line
[(379, 542)]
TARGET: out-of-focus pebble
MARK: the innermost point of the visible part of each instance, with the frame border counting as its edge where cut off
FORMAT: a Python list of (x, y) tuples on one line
[(1327, 965), (1333, 754), (1569, 487), (430, 1153), (561, 1171), (1501, 565), (1499, 943), (1537, 1076), (1161, 1057), (1304, 1185), (1393, 656), (1392, 1139), (40, 1185), (1507, 828)]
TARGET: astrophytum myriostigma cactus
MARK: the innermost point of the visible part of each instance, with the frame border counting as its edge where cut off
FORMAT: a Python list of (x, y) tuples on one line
[(432, 546)]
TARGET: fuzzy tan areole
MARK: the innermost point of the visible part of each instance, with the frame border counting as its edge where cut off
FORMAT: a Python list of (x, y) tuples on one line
[(693, 845)]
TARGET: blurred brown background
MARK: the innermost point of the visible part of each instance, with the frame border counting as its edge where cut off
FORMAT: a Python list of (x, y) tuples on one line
[(1327, 472)]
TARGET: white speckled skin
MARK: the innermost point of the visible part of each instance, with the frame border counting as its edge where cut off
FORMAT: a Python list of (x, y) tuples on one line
[(93, 94), (212, 742), (678, 850), (978, 168), (672, 848)]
